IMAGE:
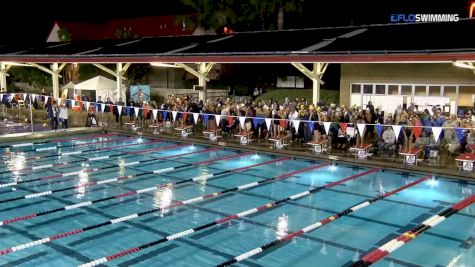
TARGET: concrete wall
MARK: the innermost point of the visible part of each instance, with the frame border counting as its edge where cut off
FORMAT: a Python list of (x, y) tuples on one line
[(401, 73)]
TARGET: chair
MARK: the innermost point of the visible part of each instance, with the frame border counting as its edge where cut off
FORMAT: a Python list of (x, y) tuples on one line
[(21, 104)]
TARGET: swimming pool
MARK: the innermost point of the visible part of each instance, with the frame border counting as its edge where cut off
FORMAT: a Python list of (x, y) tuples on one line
[(123, 200)]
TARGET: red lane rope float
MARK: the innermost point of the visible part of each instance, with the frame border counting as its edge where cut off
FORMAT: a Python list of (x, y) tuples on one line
[(56, 140), (107, 181), (222, 220), (318, 224), (47, 166), (72, 152), (137, 192), (408, 236), (69, 145), (174, 205)]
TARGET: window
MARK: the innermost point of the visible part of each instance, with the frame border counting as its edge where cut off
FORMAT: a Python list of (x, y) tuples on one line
[(393, 89), (420, 90), (406, 90), (356, 88), (434, 90), (380, 89), (367, 89)]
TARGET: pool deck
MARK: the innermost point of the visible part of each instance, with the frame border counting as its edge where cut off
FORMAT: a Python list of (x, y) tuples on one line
[(297, 151)]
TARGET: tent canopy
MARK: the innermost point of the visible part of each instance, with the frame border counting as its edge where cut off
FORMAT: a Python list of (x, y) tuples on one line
[(103, 86), (69, 85)]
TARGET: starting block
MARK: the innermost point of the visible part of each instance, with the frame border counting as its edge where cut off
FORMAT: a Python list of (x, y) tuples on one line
[(410, 157), (280, 141), (245, 137), (466, 161), (318, 146), (184, 131), (157, 128), (213, 135), (361, 151)]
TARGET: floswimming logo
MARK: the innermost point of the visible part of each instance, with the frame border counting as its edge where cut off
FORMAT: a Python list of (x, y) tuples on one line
[(414, 18)]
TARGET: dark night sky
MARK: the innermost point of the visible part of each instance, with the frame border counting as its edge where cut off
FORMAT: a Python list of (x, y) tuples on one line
[(32, 20)]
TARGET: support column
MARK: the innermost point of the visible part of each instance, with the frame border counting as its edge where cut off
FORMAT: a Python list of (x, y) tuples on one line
[(3, 77), (202, 81), (55, 78), (119, 81), (316, 91), (315, 75)]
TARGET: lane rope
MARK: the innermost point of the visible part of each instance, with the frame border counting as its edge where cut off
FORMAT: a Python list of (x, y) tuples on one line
[(136, 192), (221, 220), (391, 246), (56, 140), (309, 228), (136, 215)]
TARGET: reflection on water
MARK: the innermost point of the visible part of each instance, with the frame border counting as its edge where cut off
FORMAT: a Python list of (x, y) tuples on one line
[(323, 250), (162, 200), (83, 178), (15, 163), (121, 166)]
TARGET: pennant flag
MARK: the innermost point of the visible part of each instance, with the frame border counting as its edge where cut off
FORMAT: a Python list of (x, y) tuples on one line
[(255, 121), (327, 125), (296, 125), (343, 126), (185, 116), (311, 126), (87, 106), (230, 120), (154, 113), (119, 110), (241, 121), (174, 115), (128, 109), (164, 114), (103, 106), (1, 98), (195, 117), (361, 128), (12, 95), (397, 130), (24, 97), (268, 123), (32, 95), (136, 111), (218, 119), (283, 123), (379, 130), (206, 118), (459, 132), (417, 131), (436, 131), (46, 99)]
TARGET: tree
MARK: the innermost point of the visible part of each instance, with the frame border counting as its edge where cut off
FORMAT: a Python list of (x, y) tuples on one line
[(64, 35), (244, 15)]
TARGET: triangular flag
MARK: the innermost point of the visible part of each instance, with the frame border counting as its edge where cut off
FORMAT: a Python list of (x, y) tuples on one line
[(343, 127), (103, 106), (206, 118), (1, 98), (397, 130), (459, 132), (241, 121), (154, 113), (136, 111), (311, 126), (379, 130), (12, 96), (185, 117), (296, 124), (164, 114), (46, 99), (327, 125), (230, 120), (361, 127), (87, 106), (436, 131), (119, 110), (24, 97), (417, 132), (195, 117), (32, 95), (218, 119), (174, 115), (268, 123), (283, 123), (255, 121)]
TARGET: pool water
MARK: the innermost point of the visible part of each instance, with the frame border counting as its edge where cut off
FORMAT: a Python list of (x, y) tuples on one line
[(41, 183)]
